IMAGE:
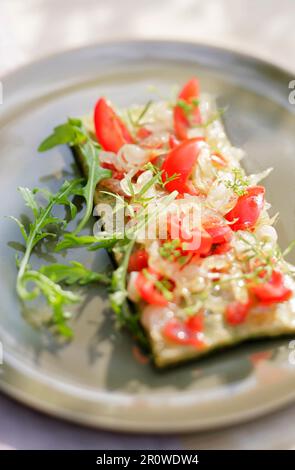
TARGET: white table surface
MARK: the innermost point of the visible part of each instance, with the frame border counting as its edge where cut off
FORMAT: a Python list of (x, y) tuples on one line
[(30, 29)]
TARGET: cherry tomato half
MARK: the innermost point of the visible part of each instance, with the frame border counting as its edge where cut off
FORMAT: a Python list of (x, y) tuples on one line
[(180, 161), (138, 261), (247, 209), (182, 121), (110, 130), (237, 312), (148, 291), (173, 141), (273, 290)]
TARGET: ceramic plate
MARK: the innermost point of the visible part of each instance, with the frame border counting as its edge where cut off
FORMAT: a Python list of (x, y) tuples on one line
[(98, 379)]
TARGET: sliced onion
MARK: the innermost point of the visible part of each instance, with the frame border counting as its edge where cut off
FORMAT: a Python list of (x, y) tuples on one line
[(159, 117), (110, 158), (267, 233), (195, 132), (204, 172), (154, 318), (142, 180), (126, 182), (220, 197), (156, 139), (157, 263), (132, 156)]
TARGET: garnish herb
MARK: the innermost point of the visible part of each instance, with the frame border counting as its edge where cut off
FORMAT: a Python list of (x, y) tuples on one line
[(92, 242), (74, 273), (137, 122), (188, 108), (56, 297), (159, 173), (240, 183), (74, 134), (163, 285), (95, 173), (169, 249), (70, 133), (118, 298)]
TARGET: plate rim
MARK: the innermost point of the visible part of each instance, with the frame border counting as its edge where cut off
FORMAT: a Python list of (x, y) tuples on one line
[(150, 41)]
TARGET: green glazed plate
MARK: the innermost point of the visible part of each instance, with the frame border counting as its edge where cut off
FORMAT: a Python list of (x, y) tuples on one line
[(100, 379)]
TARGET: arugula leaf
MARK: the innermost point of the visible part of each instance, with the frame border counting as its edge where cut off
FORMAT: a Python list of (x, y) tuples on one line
[(29, 199), (73, 133), (21, 226), (70, 133), (94, 243), (75, 273), (54, 295), (118, 298), (95, 173)]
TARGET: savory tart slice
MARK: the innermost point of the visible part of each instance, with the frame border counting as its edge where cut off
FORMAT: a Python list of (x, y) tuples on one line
[(198, 258)]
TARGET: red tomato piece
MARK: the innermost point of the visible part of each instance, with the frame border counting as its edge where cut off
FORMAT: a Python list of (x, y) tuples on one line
[(219, 233), (195, 323), (173, 141), (186, 333), (237, 312), (110, 130), (200, 243), (197, 241), (143, 133), (190, 90), (149, 292), (180, 161), (221, 249), (138, 261), (175, 331), (273, 290), (247, 209), (182, 122)]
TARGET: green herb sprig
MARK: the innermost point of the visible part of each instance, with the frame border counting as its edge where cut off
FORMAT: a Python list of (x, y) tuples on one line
[(73, 133), (240, 183), (55, 296)]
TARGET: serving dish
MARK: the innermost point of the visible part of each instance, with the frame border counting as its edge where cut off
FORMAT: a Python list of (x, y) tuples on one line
[(85, 381)]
